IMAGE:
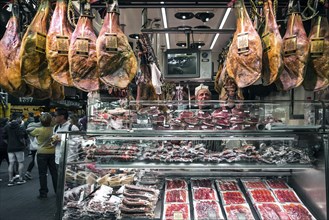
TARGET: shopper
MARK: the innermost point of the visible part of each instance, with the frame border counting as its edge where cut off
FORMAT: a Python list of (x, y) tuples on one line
[(17, 139), (3, 144), (64, 125), (45, 154), (33, 145), (29, 119)]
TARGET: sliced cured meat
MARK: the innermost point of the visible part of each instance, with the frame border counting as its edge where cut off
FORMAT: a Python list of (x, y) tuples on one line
[(219, 113), (34, 66), (82, 56), (285, 195), (186, 114), (176, 184), (277, 184), (57, 45), (296, 49), (207, 210), (244, 59), (175, 211), (176, 196), (262, 195), (297, 211), (233, 197), (236, 212), (116, 60), (227, 185), (204, 194), (207, 183), (254, 184), (203, 115), (272, 47), (270, 211)]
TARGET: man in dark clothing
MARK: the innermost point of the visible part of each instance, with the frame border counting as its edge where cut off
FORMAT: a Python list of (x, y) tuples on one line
[(16, 137), (3, 145)]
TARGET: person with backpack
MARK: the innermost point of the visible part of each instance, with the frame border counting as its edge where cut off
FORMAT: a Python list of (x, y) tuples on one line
[(63, 125)]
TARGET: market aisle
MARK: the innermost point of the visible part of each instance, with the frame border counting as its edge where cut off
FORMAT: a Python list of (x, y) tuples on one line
[(20, 201)]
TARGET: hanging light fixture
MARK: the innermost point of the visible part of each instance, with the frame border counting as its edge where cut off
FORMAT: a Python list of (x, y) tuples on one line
[(204, 16)]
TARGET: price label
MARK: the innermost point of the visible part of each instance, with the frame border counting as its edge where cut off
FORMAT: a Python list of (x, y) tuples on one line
[(178, 216), (266, 41), (290, 45), (243, 42), (40, 45), (63, 44), (111, 42), (82, 46), (317, 47)]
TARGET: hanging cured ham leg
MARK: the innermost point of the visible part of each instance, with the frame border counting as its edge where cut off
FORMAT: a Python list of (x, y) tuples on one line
[(116, 60), (34, 66), (272, 47), (82, 56), (244, 59), (296, 51), (58, 42)]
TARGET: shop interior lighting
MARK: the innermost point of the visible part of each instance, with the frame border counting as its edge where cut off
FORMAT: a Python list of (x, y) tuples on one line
[(197, 45), (204, 16), (165, 25), (184, 15), (181, 44), (228, 10), (134, 36)]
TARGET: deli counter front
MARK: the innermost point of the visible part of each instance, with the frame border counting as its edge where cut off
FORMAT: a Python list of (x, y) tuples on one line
[(183, 160)]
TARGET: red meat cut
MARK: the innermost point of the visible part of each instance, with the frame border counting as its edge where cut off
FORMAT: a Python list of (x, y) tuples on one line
[(227, 185), (277, 184), (207, 210), (285, 195), (233, 197), (176, 196), (271, 211), (176, 184), (177, 211), (262, 195), (204, 194), (297, 211), (236, 212)]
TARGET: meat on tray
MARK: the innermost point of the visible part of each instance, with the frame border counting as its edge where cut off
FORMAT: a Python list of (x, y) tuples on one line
[(207, 210), (179, 195), (270, 211), (262, 195), (254, 184), (236, 212), (297, 211), (235, 197), (277, 184), (204, 194), (175, 211), (285, 195), (207, 183), (227, 185), (176, 184)]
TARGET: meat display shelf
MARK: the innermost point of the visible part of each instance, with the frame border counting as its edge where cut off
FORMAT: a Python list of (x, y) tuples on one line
[(227, 166)]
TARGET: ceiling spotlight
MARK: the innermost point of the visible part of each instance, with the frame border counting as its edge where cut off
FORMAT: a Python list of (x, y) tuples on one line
[(197, 45), (181, 44), (134, 36), (184, 15), (204, 16), (202, 27)]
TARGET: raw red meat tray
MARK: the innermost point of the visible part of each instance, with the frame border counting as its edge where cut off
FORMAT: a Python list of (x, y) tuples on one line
[(227, 185), (286, 195), (237, 212), (297, 211), (207, 183), (207, 210), (176, 184), (176, 211), (271, 211), (277, 184), (233, 197), (254, 184), (176, 195), (261, 195), (204, 194)]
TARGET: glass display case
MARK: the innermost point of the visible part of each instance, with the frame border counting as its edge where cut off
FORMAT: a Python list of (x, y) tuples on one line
[(184, 160)]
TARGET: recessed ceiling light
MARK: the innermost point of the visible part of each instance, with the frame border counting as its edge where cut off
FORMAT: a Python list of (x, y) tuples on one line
[(181, 44), (204, 16), (134, 36), (184, 15)]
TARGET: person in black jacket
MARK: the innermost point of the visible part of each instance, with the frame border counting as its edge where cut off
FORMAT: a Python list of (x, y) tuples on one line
[(3, 145), (16, 136)]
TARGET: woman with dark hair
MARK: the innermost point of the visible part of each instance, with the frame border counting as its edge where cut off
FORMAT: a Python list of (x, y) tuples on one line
[(45, 154)]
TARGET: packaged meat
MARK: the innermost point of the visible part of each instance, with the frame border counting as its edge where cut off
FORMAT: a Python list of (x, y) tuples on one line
[(237, 212), (232, 197), (261, 195), (277, 184), (207, 210), (204, 194), (286, 195), (297, 211), (176, 184), (179, 195), (227, 185), (254, 184), (176, 211), (270, 211), (206, 183)]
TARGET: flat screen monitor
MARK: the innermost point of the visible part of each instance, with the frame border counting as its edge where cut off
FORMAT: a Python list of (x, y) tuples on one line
[(182, 63)]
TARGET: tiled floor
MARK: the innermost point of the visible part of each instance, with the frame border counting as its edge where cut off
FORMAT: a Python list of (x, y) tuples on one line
[(20, 202)]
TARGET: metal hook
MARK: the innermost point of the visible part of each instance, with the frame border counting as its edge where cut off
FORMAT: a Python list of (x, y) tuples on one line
[(314, 12)]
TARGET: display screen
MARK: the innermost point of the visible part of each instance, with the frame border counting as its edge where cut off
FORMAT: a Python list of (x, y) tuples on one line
[(182, 63)]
